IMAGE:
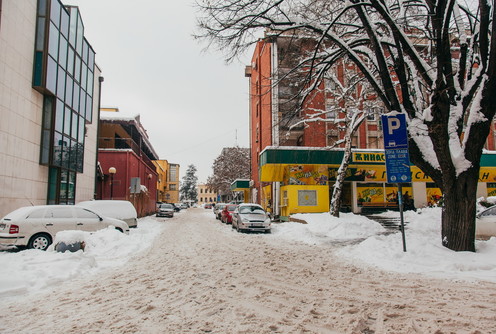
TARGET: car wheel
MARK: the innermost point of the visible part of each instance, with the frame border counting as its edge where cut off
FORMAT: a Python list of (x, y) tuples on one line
[(40, 241), (119, 229)]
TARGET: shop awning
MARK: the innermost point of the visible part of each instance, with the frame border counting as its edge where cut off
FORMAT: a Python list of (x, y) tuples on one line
[(240, 185)]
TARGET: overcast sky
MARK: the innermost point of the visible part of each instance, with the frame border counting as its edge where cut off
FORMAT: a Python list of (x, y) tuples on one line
[(191, 103)]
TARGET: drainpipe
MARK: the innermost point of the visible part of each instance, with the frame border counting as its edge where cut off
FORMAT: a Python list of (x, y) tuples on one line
[(100, 80)]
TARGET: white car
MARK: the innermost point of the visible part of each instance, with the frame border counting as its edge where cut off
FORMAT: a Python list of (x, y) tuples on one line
[(165, 210), (251, 217), (122, 210), (485, 224), (36, 226)]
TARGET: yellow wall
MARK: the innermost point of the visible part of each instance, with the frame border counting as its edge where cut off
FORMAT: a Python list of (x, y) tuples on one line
[(290, 203)]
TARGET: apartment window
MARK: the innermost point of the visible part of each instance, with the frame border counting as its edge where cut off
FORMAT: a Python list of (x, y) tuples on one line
[(172, 187)]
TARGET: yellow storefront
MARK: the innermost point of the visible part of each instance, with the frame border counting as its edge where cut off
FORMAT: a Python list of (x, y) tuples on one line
[(300, 180)]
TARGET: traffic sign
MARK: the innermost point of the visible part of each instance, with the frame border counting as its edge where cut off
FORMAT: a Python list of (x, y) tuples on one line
[(396, 149)]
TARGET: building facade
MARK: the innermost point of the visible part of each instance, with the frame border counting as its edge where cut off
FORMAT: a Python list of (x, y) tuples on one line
[(49, 93), (125, 157), (284, 179), (168, 181), (205, 195)]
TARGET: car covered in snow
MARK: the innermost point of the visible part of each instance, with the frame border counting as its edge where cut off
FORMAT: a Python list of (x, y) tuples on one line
[(36, 226), (123, 210), (226, 213), (251, 217), (165, 210), (485, 224)]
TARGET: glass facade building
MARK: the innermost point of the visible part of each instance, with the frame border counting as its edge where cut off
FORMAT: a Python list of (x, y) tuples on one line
[(64, 67)]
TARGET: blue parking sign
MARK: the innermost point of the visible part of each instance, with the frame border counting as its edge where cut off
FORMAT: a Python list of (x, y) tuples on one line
[(396, 148)]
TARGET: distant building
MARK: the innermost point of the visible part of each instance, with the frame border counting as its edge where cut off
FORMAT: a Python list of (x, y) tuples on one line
[(49, 93), (205, 195), (123, 144), (168, 181)]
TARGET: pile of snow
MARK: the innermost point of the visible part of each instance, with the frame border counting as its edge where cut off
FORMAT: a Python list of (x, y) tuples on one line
[(424, 254), (322, 228), (31, 271)]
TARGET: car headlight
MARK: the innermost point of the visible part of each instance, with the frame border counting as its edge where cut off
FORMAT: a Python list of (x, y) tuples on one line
[(267, 221)]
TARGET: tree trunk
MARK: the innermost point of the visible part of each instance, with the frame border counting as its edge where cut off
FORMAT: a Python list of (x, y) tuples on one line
[(459, 209), (338, 186)]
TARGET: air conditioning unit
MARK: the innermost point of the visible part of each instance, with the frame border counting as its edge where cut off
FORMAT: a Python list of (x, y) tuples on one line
[(252, 183)]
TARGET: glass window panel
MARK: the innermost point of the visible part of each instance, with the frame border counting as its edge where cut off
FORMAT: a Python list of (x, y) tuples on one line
[(45, 147), (81, 130), (91, 59), (67, 121), (85, 51), (74, 125), (61, 83), (63, 185), (75, 100), (58, 149), (82, 102), (40, 34), (89, 86), (53, 42), (55, 12), (64, 23), (89, 110), (68, 90), (80, 157), (84, 75), (38, 69), (73, 26), (59, 116), (51, 75), (47, 112), (80, 35), (42, 7), (72, 155), (70, 61), (52, 185), (66, 152), (63, 52), (77, 69), (71, 191)]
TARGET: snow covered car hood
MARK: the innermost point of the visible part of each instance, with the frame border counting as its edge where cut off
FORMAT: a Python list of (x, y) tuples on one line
[(253, 217)]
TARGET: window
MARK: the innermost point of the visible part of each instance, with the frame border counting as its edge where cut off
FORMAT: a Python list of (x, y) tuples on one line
[(59, 213), (307, 197), (83, 213), (172, 187)]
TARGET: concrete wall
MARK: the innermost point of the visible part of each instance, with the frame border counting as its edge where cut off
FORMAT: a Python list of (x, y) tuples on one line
[(22, 180)]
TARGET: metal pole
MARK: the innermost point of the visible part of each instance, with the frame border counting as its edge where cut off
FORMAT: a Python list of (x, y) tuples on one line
[(111, 186), (400, 205)]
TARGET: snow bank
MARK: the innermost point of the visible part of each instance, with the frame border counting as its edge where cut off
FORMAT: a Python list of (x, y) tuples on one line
[(31, 271)]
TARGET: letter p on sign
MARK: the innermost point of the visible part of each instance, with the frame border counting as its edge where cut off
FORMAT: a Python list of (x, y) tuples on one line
[(393, 124)]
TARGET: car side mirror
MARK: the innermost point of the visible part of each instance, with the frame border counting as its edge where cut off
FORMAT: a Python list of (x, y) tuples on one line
[(100, 218)]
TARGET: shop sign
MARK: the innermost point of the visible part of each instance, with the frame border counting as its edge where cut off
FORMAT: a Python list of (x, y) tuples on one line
[(307, 175)]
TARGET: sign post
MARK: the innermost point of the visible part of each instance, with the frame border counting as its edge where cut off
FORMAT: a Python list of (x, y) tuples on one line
[(397, 157)]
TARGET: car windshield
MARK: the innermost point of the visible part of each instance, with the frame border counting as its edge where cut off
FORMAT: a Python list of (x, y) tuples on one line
[(166, 206), (231, 207), (251, 209)]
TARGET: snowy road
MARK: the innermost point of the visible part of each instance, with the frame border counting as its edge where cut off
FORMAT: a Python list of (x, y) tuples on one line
[(202, 277)]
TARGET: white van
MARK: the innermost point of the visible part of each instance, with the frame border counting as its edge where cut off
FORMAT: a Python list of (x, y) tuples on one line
[(123, 210)]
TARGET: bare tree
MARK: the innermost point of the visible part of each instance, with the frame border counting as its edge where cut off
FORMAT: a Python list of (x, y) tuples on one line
[(233, 163), (434, 61)]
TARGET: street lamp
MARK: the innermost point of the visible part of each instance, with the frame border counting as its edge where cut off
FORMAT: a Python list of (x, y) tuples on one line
[(112, 171)]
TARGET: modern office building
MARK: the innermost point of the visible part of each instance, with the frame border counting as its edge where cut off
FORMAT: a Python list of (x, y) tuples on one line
[(49, 95)]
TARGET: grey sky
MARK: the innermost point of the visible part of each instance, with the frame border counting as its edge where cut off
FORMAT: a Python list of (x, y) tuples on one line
[(190, 102)]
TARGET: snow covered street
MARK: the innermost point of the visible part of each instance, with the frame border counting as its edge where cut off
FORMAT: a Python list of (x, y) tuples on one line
[(200, 276)]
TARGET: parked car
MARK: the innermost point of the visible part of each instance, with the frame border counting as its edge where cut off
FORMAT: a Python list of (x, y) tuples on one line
[(183, 206), (177, 206), (218, 209), (226, 213), (207, 205), (123, 210), (36, 226), (485, 224), (251, 217), (165, 210)]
